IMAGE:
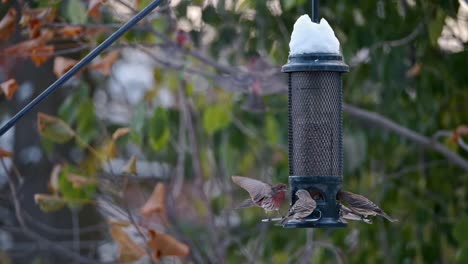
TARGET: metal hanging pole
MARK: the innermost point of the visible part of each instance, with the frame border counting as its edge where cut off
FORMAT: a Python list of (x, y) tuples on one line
[(83, 62), (315, 11)]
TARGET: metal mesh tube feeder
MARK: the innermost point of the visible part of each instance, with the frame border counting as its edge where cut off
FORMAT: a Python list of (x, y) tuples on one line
[(315, 133)]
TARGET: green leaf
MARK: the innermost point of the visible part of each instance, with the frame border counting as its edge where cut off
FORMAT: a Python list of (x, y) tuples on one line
[(435, 27), (76, 11), (137, 124), (460, 231), (54, 129), (271, 129), (462, 255), (159, 129), (74, 195), (216, 118), (290, 4)]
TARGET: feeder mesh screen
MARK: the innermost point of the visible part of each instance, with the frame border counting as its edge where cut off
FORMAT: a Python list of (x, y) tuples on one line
[(315, 124)]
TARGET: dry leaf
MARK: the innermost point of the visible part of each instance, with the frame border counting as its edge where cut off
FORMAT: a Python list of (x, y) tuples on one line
[(131, 166), (105, 64), (71, 31), (62, 65), (79, 181), (93, 8), (129, 251), (8, 24), (46, 15), (35, 26), (54, 128), (49, 203), (460, 131), (26, 47), (41, 54), (156, 202), (108, 149), (5, 153), (165, 245), (9, 88), (121, 223), (120, 132), (414, 71), (54, 178)]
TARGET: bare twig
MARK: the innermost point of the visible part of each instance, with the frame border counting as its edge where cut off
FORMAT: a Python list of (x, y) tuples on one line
[(29, 233), (381, 121)]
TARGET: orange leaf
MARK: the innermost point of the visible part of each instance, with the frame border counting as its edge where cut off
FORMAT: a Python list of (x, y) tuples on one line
[(5, 153), (156, 202), (41, 54), (71, 31), (62, 65), (8, 24), (129, 251), (35, 26), (120, 132), (93, 8), (9, 88), (165, 245), (105, 64), (46, 15)]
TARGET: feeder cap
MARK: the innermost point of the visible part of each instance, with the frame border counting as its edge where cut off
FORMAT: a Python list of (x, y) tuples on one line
[(315, 62)]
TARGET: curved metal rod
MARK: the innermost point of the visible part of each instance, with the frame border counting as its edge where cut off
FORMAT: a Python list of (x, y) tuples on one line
[(83, 62)]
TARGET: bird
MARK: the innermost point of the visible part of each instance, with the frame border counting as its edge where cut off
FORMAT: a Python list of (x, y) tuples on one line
[(347, 214), (269, 197), (302, 208), (361, 206)]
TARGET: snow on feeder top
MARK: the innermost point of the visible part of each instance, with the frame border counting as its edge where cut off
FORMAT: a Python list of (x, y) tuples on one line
[(315, 119)]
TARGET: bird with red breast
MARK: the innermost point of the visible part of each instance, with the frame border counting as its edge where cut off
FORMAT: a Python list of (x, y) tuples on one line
[(269, 197)]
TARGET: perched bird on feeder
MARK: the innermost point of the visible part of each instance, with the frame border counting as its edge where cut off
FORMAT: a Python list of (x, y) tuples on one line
[(362, 206), (262, 194), (347, 214), (302, 208)]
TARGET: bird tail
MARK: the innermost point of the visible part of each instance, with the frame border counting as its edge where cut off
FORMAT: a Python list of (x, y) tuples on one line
[(389, 218), (245, 204)]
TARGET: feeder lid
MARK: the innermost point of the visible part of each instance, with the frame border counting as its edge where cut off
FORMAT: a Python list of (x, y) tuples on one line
[(315, 62)]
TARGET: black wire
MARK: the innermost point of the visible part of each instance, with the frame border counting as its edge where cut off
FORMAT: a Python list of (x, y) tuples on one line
[(87, 59), (315, 11)]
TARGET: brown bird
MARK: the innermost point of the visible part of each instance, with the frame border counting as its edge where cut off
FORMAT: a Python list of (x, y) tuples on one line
[(362, 206), (302, 208), (262, 194), (347, 214)]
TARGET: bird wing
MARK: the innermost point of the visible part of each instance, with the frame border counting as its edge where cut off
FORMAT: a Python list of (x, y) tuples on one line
[(358, 201), (256, 189), (304, 206)]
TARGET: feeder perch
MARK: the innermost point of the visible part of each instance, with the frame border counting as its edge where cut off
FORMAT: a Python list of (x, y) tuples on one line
[(315, 108)]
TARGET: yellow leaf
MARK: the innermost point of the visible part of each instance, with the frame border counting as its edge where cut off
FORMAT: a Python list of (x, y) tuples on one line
[(9, 88), (120, 132), (131, 166), (41, 54)]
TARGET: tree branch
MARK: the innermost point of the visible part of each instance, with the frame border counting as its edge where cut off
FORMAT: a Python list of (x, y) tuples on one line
[(381, 121)]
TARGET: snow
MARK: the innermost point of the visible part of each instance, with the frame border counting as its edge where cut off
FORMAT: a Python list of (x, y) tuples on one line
[(310, 37)]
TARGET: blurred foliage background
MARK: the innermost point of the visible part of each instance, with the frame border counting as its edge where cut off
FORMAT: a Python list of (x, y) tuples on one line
[(199, 85)]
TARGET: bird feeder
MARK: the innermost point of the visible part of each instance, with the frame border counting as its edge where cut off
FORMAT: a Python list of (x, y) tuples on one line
[(315, 130)]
